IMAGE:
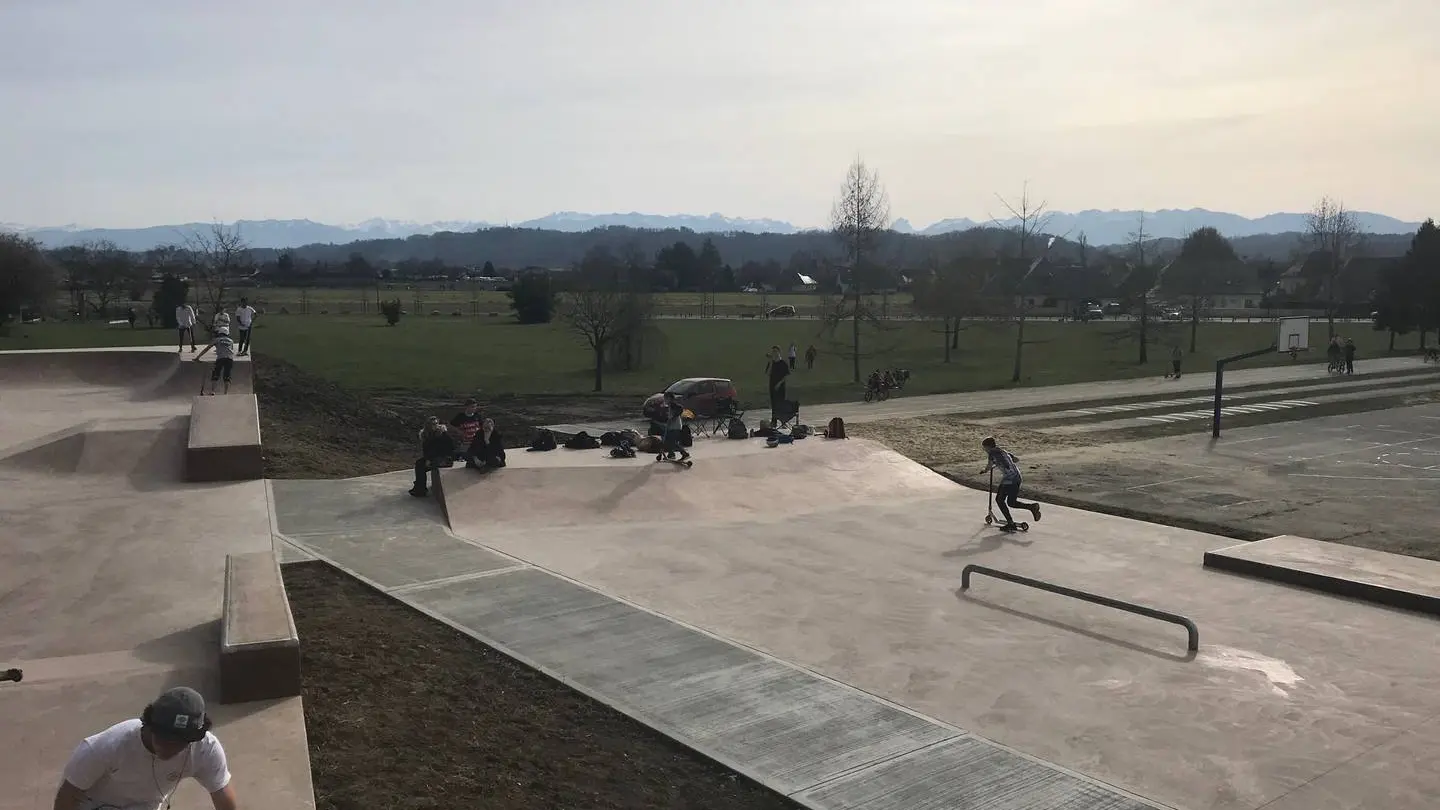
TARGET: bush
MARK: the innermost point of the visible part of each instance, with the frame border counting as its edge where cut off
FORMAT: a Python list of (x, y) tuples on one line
[(171, 293), (391, 310), (532, 298)]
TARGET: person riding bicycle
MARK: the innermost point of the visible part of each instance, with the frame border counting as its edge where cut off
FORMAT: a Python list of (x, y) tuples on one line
[(874, 382), (888, 380)]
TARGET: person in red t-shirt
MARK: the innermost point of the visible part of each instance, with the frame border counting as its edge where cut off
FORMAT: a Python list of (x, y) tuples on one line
[(468, 422)]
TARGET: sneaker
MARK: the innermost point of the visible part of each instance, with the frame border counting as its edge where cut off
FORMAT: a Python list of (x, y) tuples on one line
[(419, 493), (1009, 527), (1035, 510)]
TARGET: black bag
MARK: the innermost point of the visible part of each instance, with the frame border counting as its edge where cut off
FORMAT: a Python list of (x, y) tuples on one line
[(582, 441), (687, 439), (736, 429), (544, 440), (610, 438), (836, 429)]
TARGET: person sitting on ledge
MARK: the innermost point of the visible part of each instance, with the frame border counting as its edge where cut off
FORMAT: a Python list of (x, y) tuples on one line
[(487, 450), (437, 449)]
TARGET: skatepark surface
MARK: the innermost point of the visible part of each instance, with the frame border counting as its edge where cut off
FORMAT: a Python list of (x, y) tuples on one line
[(844, 559), (111, 570), (793, 612)]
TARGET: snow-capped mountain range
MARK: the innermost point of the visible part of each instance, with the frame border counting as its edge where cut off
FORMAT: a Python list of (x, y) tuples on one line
[(1099, 227)]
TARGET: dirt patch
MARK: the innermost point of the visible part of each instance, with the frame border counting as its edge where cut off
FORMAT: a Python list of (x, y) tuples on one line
[(403, 712), (314, 428), (949, 441)]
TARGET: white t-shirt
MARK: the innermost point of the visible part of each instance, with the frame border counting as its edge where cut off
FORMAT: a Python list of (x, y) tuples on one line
[(245, 316), (184, 316), (114, 769)]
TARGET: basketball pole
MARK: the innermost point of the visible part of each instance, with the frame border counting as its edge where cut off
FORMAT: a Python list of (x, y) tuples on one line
[(1220, 382)]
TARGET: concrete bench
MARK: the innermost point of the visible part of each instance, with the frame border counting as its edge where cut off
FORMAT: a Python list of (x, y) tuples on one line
[(224, 439), (259, 647)]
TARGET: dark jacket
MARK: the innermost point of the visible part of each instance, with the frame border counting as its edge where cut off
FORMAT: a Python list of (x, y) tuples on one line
[(491, 452), (437, 445)]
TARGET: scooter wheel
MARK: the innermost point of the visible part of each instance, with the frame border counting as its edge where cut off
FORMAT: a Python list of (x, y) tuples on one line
[(1024, 527), (989, 519)]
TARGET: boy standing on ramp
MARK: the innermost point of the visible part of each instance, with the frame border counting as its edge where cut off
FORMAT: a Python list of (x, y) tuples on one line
[(674, 427), (1008, 493), (224, 357)]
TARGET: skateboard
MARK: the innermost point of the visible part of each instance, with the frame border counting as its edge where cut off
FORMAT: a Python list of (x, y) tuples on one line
[(683, 462)]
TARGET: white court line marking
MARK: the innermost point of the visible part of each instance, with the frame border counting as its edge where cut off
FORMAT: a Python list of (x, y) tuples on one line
[(1362, 477), (1256, 439), (1171, 481)]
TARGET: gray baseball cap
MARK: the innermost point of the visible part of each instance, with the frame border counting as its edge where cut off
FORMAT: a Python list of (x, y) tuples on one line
[(179, 713)]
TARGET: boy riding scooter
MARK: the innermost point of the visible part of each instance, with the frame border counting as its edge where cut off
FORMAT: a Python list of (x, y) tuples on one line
[(1008, 493)]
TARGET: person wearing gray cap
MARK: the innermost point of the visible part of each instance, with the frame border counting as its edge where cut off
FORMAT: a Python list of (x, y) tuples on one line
[(138, 764)]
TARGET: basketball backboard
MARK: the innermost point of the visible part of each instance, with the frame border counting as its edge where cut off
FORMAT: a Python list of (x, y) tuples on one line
[(1292, 334)]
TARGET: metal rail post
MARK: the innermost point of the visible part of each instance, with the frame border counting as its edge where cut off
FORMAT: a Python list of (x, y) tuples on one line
[(1192, 633)]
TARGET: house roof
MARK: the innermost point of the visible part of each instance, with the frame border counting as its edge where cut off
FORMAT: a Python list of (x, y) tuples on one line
[(1217, 278)]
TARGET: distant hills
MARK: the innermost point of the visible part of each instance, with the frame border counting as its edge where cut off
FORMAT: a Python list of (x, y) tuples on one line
[(1099, 227)]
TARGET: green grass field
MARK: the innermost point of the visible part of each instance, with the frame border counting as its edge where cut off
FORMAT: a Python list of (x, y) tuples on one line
[(498, 357)]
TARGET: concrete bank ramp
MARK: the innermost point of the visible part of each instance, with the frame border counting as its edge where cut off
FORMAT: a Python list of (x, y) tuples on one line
[(146, 373), (731, 481), (149, 449)]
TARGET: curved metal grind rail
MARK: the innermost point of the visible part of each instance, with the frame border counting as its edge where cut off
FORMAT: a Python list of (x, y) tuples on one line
[(1191, 631)]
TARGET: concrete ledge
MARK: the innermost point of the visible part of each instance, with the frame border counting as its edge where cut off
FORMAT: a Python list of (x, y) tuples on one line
[(1393, 580), (224, 440), (259, 647)]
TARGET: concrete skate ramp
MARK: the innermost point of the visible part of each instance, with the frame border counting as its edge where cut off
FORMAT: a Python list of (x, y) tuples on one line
[(145, 450), (731, 481), (146, 373)]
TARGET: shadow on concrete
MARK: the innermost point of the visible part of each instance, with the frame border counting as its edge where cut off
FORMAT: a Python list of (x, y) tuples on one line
[(990, 542), (182, 645), (1059, 625)]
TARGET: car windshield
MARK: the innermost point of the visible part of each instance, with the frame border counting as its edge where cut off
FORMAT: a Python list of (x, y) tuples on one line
[(681, 388)]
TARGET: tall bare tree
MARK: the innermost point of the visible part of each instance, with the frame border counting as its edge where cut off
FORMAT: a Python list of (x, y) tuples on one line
[(1335, 231), (859, 219), (1141, 270), (604, 305), (1027, 221), (950, 292), (109, 272), (218, 257)]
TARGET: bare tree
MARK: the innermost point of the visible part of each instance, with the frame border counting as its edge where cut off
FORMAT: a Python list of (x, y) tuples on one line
[(603, 307), (1142, 288), (1334, 231), (859, 220), (950, 292), (109, 272), (218, 257), (1028, 220)]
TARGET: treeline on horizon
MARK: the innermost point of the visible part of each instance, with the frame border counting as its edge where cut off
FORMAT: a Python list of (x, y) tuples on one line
[(519, 248)]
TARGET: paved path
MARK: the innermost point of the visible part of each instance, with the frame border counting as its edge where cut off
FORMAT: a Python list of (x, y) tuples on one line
[(689, 597), (905, 407)]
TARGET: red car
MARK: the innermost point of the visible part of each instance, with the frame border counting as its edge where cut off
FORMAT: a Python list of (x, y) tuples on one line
[(699, 394)]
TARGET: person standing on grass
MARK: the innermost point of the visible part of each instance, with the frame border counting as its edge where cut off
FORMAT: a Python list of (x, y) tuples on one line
[(244, 319), (139, 764), (810, 354), (1349, 356), (185, 322), (224, 357), (794, 353), (778, 370), (1008, 493), (1177, 356)]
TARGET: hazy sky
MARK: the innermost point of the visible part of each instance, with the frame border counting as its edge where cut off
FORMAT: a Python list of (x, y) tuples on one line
[(133, 112)]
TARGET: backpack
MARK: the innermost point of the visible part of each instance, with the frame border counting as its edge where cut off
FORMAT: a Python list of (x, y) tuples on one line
[(836, 429), (610, 438), (544, 440), (800, 431), (736, 429), (581, 441), (687, 439), (623, 450), (650, 444)]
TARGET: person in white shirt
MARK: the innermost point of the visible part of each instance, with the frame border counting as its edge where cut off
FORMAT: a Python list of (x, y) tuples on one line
[(138, 764), (244, 319), (185, 322)]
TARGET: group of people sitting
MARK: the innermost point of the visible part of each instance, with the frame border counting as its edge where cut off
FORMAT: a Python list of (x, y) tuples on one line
[(470, 436)]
